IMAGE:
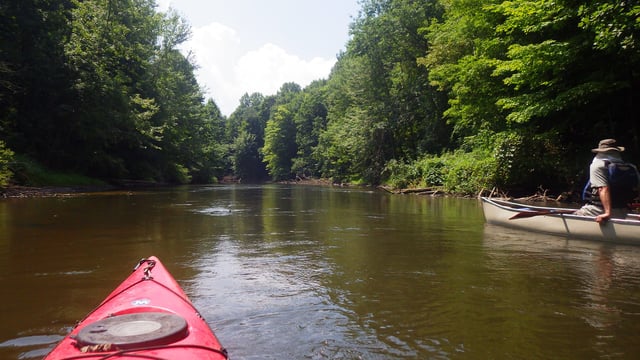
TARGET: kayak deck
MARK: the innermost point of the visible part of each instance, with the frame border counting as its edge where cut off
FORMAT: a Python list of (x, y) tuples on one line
[(148, 316)]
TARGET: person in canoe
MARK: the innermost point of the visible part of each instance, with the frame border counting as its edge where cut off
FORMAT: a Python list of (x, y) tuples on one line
[(612, 184)]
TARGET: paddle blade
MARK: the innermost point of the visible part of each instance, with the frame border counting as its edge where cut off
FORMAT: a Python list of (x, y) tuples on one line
[(527, 214)]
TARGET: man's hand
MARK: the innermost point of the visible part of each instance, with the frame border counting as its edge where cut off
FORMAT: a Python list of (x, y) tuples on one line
[(601, 219)]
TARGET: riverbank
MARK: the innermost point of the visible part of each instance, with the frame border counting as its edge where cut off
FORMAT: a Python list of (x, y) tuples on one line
[(21, 191), (15, 191)]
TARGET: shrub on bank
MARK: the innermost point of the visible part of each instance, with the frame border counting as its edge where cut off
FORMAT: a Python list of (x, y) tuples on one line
[(6, 156), (459, 172), (505, 161), (468, 173)]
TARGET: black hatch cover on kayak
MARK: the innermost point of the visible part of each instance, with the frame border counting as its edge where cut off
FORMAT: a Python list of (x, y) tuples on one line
[(135, 330)]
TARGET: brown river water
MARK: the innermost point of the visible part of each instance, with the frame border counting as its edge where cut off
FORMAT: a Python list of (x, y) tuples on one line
[(303, 272)]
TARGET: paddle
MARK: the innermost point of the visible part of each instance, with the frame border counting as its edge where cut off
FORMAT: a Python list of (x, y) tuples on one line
[(526, 214)]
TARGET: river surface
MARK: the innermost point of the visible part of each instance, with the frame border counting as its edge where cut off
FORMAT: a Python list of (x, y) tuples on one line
[(303, 272)]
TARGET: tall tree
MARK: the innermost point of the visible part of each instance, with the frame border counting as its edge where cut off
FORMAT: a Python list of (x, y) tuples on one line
[(380, 88), (279, 145), (534, 68), (34, 80), (110, 49), (245, 131), (461, 59), (310, 121), (343, 146)]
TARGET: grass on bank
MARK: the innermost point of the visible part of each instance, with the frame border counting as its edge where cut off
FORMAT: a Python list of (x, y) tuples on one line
[(27, 172)]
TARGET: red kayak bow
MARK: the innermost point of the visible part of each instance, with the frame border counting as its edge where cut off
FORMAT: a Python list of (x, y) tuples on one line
[(148, 316)]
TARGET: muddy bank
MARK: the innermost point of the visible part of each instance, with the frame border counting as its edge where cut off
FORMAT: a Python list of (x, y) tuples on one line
[(50, 191), (113, 187)]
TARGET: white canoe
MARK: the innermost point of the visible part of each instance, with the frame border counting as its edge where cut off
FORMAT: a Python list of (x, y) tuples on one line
[(558, 221)]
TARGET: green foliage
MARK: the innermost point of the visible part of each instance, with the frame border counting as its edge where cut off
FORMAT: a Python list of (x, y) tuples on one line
[(6, 157), (178, 174), (34, 78), (279, 144), (105, 91), (109, 50), (432, 170), (27, 172), (529, 161), (381, 95), (506, 160), (426, 172), (245, 133), (212, 163), (531, 75), (458, 172), (614, 24), (310, 122), (245, 160), (469, 172), (401, 175), (343, 147), (463, 95)]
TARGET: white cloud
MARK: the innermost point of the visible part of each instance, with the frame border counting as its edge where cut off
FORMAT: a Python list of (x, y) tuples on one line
[(227, 72), (229, 66), (162, 5), (215, 47), (266, 69)]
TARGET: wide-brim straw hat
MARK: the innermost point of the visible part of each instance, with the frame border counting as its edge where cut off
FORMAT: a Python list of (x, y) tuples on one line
[(607, 145)]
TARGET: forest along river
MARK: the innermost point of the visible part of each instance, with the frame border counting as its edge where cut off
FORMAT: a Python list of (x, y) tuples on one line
[(300, 272)]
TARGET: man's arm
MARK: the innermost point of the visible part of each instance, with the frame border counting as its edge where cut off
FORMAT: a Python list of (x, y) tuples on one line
[(605, 198)]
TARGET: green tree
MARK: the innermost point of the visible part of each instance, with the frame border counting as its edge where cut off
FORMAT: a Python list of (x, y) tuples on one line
[(182, 120), (110, 48), (342, 146), (245, 131), (279, 146), (100, 88), (310, 121), (215, 163), (461, 58), (378, 86), (34, 80), (246, 162), (534, 70)]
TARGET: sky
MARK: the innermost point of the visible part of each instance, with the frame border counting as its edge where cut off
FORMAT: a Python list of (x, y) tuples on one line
[(248, 46)]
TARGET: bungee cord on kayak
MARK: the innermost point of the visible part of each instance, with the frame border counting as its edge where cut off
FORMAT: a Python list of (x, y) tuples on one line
[(132, 352)]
